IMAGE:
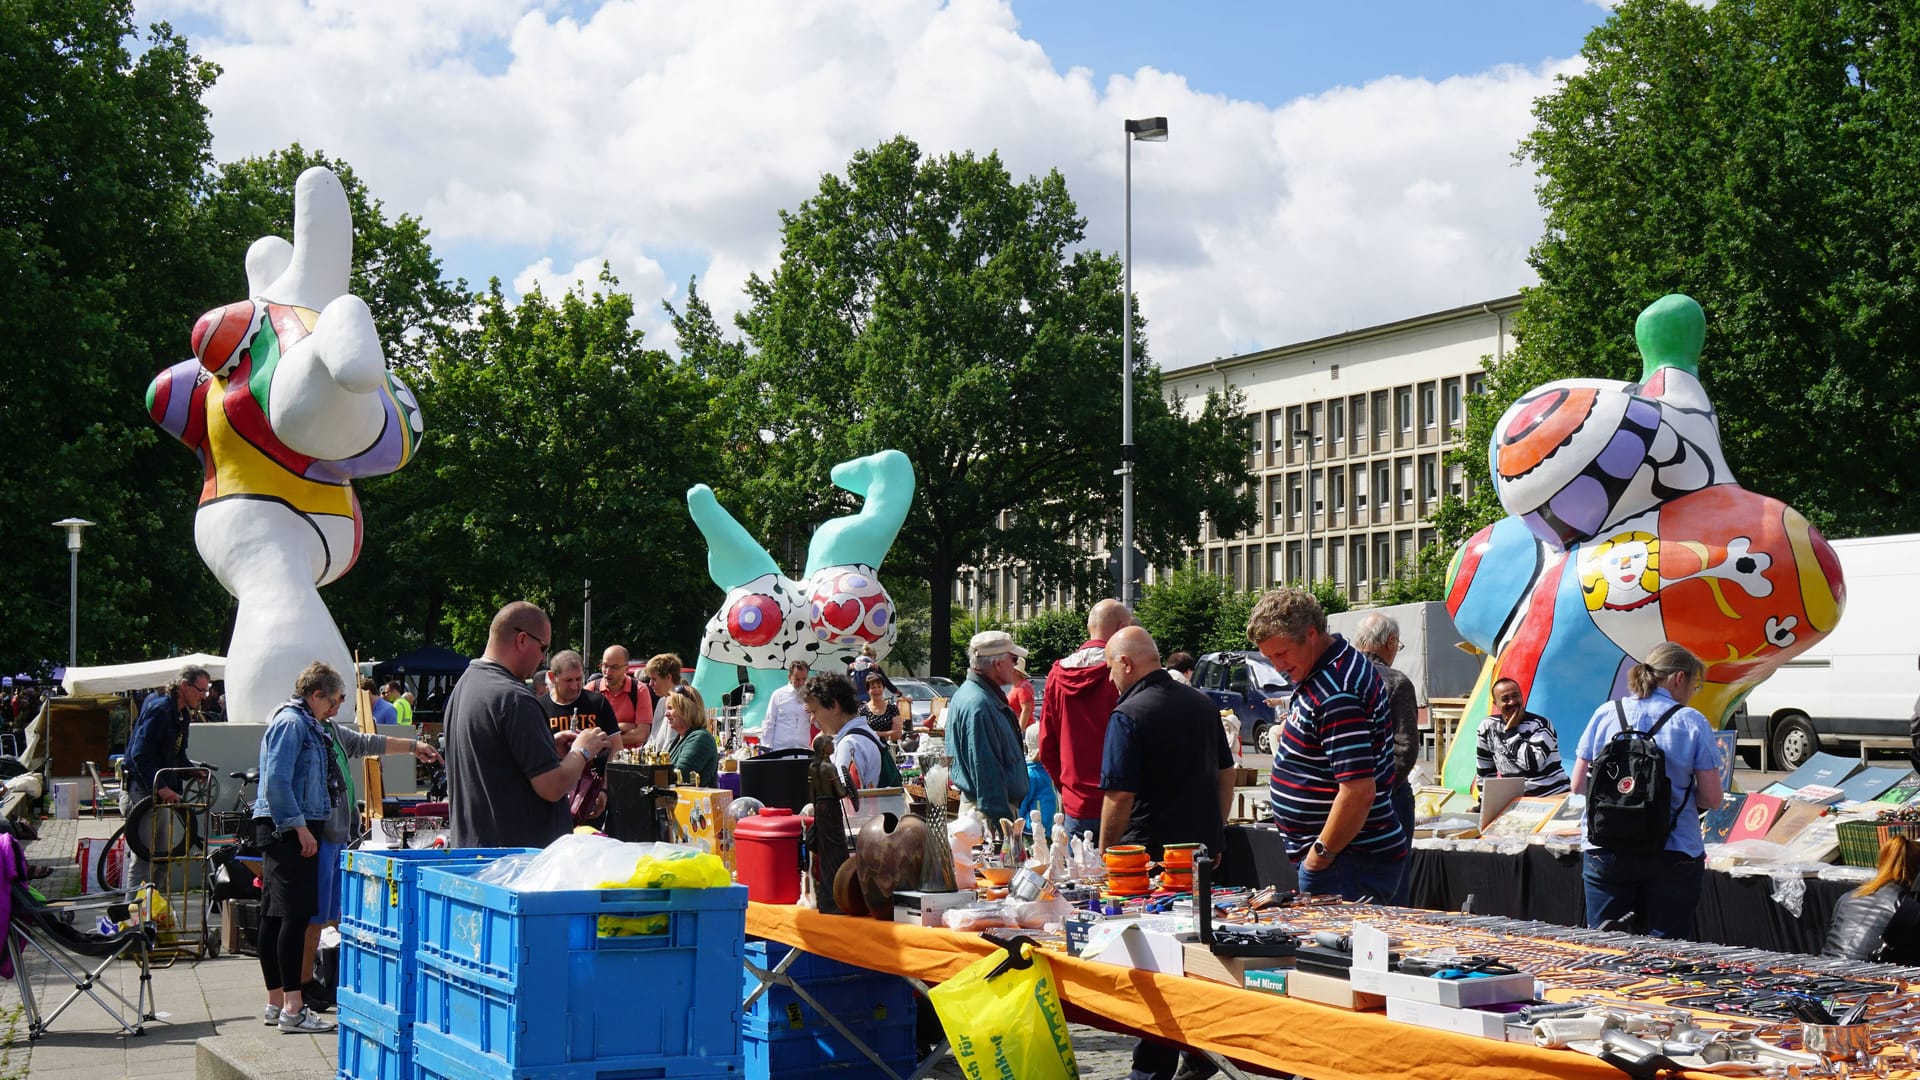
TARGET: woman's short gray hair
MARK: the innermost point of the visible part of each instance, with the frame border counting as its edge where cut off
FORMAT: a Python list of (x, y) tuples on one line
[(318, 678)]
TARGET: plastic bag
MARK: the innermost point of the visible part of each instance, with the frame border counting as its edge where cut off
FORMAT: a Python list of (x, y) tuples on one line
[(991, 1022), (591, 861)]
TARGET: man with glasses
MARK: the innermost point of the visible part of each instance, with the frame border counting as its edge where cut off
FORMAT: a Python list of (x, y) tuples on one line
[(631, 699), (159, 741), (989, 766), (507, 783), (1378, 639)]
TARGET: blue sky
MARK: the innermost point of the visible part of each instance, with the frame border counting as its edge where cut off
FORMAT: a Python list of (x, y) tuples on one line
[(1331, 166)]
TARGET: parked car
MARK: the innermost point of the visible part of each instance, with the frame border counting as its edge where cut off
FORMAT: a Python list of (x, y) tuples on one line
[(944, 687), (1039, 695), (1246, 683), (920, 698)]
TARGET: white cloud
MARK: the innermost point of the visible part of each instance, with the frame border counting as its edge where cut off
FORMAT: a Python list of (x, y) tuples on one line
[(653, 131)]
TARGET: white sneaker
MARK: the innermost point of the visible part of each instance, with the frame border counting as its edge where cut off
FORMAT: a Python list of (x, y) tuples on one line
[(270, 1014), (304, 1022)]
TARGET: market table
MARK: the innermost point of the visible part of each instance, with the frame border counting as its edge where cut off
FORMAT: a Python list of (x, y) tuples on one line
[(1544, 884), (1261, 1029)]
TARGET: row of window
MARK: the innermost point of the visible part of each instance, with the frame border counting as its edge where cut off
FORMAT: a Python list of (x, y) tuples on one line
[(1276, 436), (1354, 563)]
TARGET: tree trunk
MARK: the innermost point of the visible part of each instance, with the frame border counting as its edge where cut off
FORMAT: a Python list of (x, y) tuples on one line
[(940, 622)]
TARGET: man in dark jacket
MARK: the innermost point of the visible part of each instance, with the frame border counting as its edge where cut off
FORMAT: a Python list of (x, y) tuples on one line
[(159, 737), (1168, 779), (1073, 719)]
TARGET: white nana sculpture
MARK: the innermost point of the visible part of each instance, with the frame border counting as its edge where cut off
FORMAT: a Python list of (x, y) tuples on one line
[(287, 399)]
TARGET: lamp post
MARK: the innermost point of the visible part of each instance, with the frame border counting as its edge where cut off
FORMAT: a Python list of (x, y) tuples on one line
[(1306, 492), (73, 525), (1150, 129)]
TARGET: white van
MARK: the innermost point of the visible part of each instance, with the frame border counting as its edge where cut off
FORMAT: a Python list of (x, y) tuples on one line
[(1860, 681)]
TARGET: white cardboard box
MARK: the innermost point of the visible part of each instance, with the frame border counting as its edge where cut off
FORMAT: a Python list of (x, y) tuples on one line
[(928, 908), (1371, 975), (1481, 1022)]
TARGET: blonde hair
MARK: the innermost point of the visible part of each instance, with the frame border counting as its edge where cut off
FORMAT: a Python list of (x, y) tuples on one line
[(1287, 613), (686, 697), (1665, 661)]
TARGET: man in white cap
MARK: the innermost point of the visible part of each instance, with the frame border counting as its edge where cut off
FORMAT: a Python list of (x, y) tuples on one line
[(982, 735)]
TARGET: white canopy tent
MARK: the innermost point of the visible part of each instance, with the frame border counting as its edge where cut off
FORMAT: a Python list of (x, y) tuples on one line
[(113, 678)]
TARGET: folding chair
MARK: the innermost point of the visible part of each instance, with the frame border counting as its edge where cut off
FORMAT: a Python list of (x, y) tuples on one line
[(104, 790), (36, 927)]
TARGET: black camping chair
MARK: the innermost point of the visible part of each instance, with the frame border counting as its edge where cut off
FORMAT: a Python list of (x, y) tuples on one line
[(40, 928)]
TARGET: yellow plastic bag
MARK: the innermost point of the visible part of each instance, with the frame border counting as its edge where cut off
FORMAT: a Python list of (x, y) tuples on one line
[(1006, 1024), (680, 869)]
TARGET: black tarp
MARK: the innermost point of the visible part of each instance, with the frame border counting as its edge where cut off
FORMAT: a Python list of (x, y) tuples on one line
[(432, 660)]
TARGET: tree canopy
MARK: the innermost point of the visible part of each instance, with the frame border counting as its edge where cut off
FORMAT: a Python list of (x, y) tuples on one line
[(940, 307), (1763, 157)]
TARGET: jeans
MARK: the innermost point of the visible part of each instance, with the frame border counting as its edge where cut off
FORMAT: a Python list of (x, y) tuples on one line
[(1354, 876), (1080, 826), (1661, 888)]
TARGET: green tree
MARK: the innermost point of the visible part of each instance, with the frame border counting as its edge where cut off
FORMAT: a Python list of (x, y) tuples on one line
[(961, 631), (100, 155), (1050, 635), (1182, 609), (1763, 157), (563, 454), (942, 308), (1229, 630)]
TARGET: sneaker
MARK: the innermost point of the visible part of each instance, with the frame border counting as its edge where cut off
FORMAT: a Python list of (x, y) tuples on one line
[(270, 1014), (305, 1022)]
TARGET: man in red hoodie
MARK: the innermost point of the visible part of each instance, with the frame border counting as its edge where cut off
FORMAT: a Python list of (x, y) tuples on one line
[(1073, 719)]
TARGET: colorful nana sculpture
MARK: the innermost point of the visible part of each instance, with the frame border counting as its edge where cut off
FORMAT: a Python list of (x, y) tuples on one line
[(1627, 530), (768, 620), (287, 399)]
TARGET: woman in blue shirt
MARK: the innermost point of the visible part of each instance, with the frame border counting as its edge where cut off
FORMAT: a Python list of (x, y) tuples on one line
[(1660, 888), (299, 785)]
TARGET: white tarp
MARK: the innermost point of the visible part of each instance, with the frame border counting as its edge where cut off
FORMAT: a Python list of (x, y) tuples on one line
[(113, 678)]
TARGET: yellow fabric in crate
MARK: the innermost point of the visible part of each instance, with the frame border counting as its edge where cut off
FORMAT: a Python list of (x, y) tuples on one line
[(679, 870)]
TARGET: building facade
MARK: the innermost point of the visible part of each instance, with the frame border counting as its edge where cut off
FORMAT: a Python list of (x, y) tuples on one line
[(1346, 437)]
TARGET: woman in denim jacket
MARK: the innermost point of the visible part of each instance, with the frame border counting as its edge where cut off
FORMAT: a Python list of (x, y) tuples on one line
[(299, 787)]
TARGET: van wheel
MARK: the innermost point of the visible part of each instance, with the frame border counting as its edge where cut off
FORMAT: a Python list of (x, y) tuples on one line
[(1794, 742), (1262, 737)]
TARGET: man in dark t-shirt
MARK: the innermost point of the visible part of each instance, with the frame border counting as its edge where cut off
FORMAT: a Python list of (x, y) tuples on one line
[(507, 782), (572, 707)]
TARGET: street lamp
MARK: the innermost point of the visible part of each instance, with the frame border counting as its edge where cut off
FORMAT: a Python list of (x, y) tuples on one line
[(73, 525), (1305, 435), (1151, 129)]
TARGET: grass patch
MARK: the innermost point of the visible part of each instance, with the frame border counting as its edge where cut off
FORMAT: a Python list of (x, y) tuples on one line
[(10, 1021)]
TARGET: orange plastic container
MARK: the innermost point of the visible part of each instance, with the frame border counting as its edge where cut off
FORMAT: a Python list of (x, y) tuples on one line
[(1127, 883), (1125, 858)]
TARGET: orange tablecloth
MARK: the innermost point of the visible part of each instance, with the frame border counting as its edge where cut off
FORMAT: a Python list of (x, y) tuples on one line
[(1263, 1029)]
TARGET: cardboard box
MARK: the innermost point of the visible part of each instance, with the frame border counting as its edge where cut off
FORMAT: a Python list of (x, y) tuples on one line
[(1231, 970), (700, 815), (1486, 1023), (927, 908), (1370, 974), (1148, 944), (1327, 990)]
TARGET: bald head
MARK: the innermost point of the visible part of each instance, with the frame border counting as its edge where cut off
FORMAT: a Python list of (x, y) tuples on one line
[(1107, 618), (1131, 656), (518, 638)]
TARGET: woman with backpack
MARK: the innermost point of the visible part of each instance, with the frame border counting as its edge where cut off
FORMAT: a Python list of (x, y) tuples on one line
[(1648, 766)]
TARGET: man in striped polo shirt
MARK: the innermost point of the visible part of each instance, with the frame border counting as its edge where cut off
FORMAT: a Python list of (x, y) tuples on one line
[(1333, 766)]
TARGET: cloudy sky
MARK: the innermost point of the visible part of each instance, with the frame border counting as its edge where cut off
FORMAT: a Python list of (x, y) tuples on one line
[(1330, 166)]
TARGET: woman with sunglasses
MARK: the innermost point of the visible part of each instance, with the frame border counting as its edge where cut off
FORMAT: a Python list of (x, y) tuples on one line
[(695, 755), (300, 784)]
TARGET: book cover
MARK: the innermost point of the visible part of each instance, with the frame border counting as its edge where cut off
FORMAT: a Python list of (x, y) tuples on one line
[(1828, 770), (1873, 782), (1901, 792), (1778, 790), (1793, 819), (1817, 843), (1818, 794), (1729, 755), (1715, 824), (1523, 816), (1756, 817)]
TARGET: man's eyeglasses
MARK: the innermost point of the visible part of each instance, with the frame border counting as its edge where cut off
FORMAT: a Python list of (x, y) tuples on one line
[(530, 637)]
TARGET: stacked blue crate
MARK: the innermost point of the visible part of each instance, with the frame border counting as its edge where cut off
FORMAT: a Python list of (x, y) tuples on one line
[(379, 934), (515, 984), (787, 1039)]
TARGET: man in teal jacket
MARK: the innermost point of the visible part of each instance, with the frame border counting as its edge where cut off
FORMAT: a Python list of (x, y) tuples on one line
[(982, 735)]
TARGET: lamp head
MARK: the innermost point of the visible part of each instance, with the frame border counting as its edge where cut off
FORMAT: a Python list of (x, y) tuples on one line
[(73, 525), (1148, 129)]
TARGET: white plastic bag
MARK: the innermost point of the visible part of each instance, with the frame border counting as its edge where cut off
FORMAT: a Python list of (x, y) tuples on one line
[(575, 861)]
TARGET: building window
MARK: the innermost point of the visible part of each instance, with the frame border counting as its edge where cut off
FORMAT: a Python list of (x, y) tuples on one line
[(1359, 424), (1456, 405), (1337, 562), (1277, 564), (1295, 572), (1406, 482), (1403, 406), (1457, 481), (1429, 480), (1233, 567), (1293, 501), (1337, 491), (1359, 488), (1379, 419), (1336, 421), (1477, 383), (1253, 431), (1213, 561), (1428, 412), (1359, 560), (1316, 489), (1383, 557), (1313, 423)]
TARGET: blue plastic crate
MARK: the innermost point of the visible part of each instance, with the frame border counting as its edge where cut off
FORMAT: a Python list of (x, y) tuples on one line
[(866, 998), (781, 1054), (526, 978), (806, 968), (377, 889), (440, 1057), (374, 977), (372, 1048)]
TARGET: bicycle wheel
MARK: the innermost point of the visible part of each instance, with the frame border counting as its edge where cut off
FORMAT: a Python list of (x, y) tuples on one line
[(153, 824), (109, 869)]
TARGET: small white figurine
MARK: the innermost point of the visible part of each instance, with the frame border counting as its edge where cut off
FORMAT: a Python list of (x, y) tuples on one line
[(964, 833), (1037, 854), (1057, 865)]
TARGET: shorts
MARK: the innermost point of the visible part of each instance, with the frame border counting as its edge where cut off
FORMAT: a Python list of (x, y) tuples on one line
[(289, 881), (328, 910)]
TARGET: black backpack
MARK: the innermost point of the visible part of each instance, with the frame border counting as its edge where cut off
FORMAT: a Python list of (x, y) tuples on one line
[(1629, 798)]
